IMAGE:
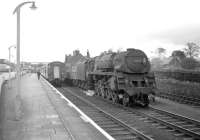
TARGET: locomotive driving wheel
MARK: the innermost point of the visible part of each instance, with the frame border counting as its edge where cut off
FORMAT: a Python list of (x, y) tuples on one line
[(108, 94), (115, 98), (125, 100), (145, 100), (102, 92), (85, 86), (96, 90)]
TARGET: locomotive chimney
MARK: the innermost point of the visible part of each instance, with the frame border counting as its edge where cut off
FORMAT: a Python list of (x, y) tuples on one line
[(66, 58), (88, 54)]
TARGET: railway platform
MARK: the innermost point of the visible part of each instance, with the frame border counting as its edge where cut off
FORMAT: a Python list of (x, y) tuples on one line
[(44, 115)]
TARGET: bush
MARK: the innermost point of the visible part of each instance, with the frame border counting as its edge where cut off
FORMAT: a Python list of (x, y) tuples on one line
[(189, 89), (189, 63)]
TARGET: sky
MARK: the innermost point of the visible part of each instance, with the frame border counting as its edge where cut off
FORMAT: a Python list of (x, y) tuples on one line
[(57, 27)]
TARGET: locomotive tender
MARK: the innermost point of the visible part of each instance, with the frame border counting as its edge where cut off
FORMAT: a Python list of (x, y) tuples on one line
[(54, 72), (123, 77)]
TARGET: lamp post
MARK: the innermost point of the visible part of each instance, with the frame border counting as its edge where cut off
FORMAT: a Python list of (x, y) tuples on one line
[(17, 10), (10, 59)]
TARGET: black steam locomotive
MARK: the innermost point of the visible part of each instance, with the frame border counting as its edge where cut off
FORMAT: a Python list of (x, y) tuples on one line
[(122, 77)]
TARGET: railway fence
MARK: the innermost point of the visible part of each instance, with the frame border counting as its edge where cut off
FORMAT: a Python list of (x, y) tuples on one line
[(191, 76)]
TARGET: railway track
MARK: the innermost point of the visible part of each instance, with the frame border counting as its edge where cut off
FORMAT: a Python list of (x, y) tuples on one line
[(180, 127), (115, 127), (195, 102)]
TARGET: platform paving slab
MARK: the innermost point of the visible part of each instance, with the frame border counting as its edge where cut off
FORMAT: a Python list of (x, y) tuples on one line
[(41, 117)]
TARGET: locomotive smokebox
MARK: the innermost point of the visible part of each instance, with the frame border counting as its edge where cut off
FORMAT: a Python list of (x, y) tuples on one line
[(131, 61)]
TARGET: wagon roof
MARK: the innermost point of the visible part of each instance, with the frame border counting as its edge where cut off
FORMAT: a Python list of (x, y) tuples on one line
[(53, 62)]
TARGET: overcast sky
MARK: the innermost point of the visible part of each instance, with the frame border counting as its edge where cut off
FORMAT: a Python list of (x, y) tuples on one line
[(58, 27)]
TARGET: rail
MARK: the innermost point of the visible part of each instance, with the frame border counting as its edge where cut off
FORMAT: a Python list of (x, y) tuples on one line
[(176, 125)]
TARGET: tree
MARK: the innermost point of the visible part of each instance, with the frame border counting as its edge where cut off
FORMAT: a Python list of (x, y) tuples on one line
[(156, 63), (178, 53), (161, 51), (177, 57), (192, 50), (103, 53), (189, 63), (110, 50), (119, 50)]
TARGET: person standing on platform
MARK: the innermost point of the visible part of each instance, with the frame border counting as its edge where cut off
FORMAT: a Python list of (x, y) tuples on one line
[(38, 75)]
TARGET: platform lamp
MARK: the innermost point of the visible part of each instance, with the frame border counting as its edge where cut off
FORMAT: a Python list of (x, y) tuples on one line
[(17, 11)]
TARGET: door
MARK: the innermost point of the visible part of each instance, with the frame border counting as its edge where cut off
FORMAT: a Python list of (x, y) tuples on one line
[(56, 72)]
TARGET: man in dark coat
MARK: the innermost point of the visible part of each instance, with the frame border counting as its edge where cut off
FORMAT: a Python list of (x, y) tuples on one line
[(38, 75)]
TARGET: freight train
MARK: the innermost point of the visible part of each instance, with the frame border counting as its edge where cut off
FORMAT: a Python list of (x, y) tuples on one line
[(122, 77), (54, 72)]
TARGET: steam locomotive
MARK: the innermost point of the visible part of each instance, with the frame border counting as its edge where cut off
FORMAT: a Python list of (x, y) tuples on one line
[(122, 77)]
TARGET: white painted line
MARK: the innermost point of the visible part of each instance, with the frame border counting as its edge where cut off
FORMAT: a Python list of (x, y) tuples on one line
[(83, 114), (84, 119), (69, 104), (62, 97)]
